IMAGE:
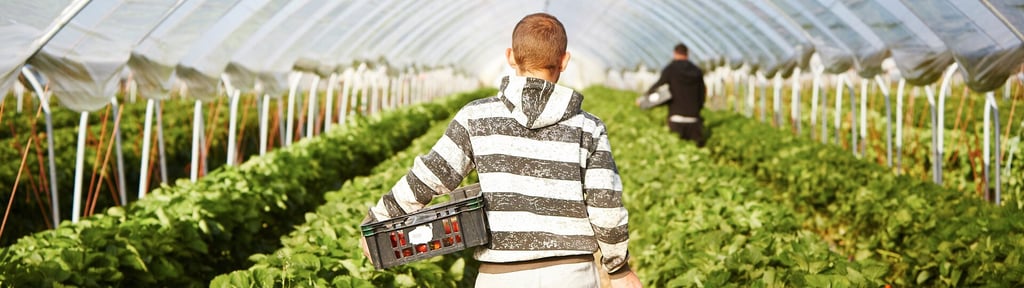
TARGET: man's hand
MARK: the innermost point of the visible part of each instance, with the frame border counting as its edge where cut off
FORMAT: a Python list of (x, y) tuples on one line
[(366, 250), (627, 281)]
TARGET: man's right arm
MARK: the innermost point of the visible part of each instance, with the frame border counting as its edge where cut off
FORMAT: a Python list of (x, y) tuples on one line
[(662, 80)]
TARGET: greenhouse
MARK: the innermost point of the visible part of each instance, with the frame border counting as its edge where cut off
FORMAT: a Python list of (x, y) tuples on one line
[(242, 143)]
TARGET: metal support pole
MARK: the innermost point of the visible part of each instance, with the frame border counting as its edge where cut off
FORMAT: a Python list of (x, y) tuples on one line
[(44, 101), (762, 83), (794, 101), (76, 206), (264, 120), (197, 135), (936, 155), (839, 107), (863, 111), (293, 86), (776, 98), (122, 188), (815, 89), (312, 111), (147, 134), (233, 98), (940, 119), (160, 142), (888, 120), (346, 87), (899, 125), (992, 143), (329, 98), (749, 104)]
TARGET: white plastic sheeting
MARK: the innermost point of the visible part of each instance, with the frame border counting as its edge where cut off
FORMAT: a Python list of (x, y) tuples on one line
[(23, 25), (262, 41), (84, 60), (154, 59)]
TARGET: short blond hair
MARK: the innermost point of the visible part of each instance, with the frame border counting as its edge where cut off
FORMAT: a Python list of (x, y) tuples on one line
[(539, 42)]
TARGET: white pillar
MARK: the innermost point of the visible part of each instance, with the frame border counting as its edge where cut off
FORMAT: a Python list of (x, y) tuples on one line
[(76, 206), (264, 124), (899, 124), (233, 98), (293, 86), (312, 111), (147, 134), (197, 135), (329, 98)]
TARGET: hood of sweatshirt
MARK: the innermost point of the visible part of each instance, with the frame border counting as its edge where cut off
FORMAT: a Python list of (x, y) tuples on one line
[(537, 103)]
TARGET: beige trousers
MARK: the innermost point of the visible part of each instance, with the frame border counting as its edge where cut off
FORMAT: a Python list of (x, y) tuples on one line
[(562, 272)]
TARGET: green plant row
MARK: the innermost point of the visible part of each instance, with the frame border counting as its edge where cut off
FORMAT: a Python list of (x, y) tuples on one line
[(929, 235), (962, 162), (186, 234), (324, 251), (692, 222), (177, 135), (695, 223)]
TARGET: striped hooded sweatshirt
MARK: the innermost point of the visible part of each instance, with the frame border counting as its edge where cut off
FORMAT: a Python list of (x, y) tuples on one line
[(546, 173)]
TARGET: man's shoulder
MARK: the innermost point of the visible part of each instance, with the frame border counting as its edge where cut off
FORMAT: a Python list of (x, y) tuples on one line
[(484, 107), (591, 121)]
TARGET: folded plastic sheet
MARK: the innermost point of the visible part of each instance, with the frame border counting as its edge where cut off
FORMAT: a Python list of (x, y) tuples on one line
[(21, 24), (834, 54), (84, 61), (868, 50), (784, 56), (918, 53), (290, 31), (201, 67), (154, 59), (987, 49), (740, 52), (791, 35)]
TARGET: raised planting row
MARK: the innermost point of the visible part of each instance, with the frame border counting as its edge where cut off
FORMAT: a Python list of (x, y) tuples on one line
[(324, 251), (692, 223), (186, 234), (929, 235), (695, 223), (32, 205)]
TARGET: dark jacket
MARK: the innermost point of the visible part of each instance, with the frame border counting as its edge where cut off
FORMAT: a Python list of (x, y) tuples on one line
[(686, 83)]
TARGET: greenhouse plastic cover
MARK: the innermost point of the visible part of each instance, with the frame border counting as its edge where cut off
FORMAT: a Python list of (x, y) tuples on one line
[(198, 42), (21, 24)]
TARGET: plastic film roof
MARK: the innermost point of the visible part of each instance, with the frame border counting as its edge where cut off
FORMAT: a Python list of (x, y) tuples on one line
[(258, 43)]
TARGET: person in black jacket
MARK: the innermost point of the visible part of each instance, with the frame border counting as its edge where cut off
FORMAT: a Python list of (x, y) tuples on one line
[(686, 84)]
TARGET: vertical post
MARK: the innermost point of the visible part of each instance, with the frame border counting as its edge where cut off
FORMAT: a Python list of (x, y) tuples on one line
[(346, 86), (998, 148), (815, 89), (293, 86), (147, 134), (986, 147), (749, 105), (162, 156), (264, 123), (776, 98), (329, 98), (940, 119), (824, 116), (762, 83), (794, 101), (233, 98), (863, 117), (839, 107), (936, 155), (76, 207), (197, 135), (899, 125), (882, 86), (45, 103), (121, 186), (312, 111)]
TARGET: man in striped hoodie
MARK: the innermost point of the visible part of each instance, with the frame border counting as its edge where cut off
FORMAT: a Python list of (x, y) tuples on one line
[(546, 172)]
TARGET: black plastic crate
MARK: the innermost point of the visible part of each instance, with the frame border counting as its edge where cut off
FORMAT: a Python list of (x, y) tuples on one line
[(434, 230)]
